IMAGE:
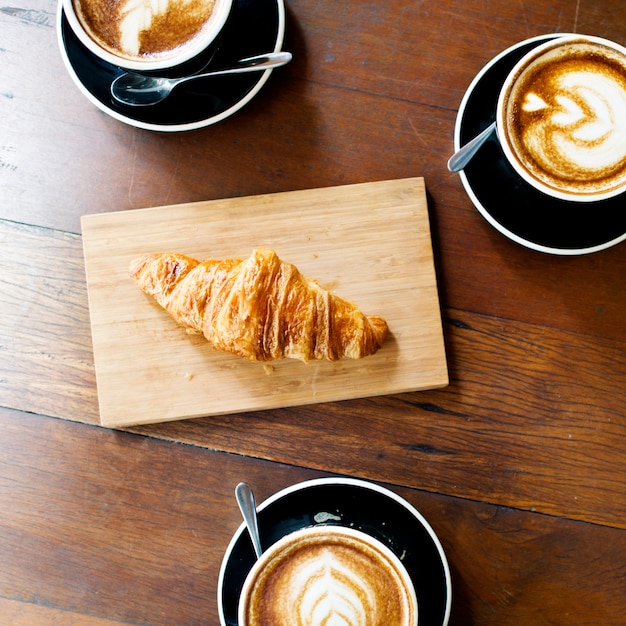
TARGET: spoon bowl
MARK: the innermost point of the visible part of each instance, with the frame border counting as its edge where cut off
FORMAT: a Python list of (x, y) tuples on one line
[(144, 90), (465, 154)]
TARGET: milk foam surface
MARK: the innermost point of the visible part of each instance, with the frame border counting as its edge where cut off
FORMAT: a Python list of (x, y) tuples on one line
[(567, 119), (335, 582), (330, 592), (143, 28)]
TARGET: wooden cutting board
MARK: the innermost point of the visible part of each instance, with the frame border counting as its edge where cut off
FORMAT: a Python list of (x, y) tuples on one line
[(369, 243)]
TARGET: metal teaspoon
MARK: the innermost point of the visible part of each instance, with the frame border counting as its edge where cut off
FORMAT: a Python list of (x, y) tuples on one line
[(464, 155), (245, 499), (143, 90)]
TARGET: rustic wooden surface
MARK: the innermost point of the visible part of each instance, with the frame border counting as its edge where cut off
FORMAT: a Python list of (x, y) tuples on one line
[(338, 243), (519, 464)]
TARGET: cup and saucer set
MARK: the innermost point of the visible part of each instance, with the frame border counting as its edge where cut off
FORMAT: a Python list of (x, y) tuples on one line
[(509, 203), (361, 506), (253, 27)]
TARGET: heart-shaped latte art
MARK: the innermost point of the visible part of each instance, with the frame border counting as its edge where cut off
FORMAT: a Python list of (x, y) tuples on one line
[(580, 130)]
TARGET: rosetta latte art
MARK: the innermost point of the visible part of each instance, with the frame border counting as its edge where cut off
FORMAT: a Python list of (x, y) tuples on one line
[(329, 580), (331, 593)]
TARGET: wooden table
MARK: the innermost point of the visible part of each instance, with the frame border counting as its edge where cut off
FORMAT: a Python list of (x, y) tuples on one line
[(519, 464)]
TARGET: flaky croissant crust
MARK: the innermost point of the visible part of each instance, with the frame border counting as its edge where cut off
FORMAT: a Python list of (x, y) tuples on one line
[(260, 308)]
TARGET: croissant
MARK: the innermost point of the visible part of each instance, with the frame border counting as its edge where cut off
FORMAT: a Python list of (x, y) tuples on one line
[(260, 308)]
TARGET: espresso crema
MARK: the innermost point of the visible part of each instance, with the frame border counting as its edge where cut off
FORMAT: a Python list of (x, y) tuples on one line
[(565, 118), (335, 580), (144, 29)]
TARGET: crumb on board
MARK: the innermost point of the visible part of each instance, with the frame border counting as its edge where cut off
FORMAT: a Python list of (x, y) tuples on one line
[(268, 368), (189, 375)]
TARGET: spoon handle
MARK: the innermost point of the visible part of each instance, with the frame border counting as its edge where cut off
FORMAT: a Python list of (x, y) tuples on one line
[(245, 499), (251, 64), (463, 156)]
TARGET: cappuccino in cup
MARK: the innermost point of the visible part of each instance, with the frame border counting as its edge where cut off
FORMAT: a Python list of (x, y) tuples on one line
[(561, 118), (328, 575), (147, 34)]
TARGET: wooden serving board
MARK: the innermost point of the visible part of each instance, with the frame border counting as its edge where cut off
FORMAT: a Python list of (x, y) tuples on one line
[(369, 243)]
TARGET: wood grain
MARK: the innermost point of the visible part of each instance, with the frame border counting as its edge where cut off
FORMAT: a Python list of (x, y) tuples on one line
[(532, 417), (543, 434), (103, 526), (368, 243), (45, 341), (19, 613), (132, 530), (340, 113)]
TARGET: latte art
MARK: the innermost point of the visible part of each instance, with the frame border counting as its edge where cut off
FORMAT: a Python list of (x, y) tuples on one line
[(330, 591), (565, 118), (331, 580), (137, 29)]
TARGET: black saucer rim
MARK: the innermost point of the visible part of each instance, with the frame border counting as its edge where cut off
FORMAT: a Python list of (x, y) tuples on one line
[(471, 175), (132, 115), (364, 488)]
